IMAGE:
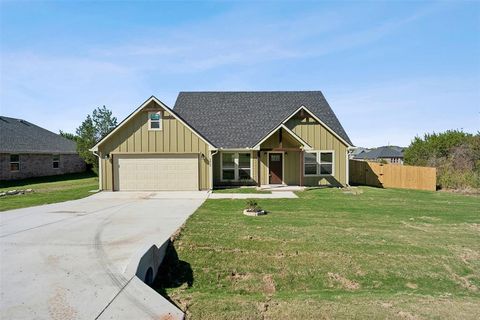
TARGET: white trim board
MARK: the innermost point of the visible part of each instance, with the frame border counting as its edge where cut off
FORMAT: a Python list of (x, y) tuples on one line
[(162, 105)]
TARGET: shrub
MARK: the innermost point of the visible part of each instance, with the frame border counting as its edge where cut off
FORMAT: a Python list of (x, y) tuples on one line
[(252, 205)]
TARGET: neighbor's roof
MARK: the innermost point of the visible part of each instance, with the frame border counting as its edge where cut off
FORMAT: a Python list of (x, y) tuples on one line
[(381, 152), (359, 150), (241, 119), (20, 136)]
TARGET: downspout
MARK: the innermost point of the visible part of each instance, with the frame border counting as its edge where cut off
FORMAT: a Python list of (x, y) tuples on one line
[(349, 150), (99, 170)]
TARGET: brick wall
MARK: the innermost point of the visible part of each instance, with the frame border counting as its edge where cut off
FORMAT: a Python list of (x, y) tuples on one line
[(37, 165)]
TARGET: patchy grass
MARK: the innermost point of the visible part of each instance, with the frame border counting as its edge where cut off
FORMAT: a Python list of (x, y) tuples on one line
[(48, 190), (397, 254), (240, 190)]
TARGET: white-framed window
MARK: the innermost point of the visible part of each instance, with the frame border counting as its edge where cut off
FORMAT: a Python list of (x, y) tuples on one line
[(318, 163), (56, 161), (155, 120), (14, 162), (236, 166)]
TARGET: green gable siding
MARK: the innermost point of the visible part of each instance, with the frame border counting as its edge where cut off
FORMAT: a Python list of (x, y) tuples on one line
[(134, 137), (320, 138)]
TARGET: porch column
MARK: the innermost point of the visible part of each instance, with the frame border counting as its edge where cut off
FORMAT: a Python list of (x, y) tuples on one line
[(258, 168), (301, 167)]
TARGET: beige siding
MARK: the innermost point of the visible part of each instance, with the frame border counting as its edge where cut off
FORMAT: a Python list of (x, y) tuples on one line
[(319, 138), (291, 167), (273, 141), (263, 168), (134, 137)]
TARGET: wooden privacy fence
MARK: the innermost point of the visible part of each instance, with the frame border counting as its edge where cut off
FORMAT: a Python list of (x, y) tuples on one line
[(392, 175)]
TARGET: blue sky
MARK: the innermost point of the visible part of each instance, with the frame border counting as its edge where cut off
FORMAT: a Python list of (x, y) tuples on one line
[(390, 70)]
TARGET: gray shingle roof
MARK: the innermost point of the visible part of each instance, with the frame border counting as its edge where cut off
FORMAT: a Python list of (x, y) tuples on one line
[(241, 119), (381, 152), (20, 136)]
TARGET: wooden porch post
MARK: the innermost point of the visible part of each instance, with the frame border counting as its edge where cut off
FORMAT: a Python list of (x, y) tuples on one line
[(259, 183), (301, 167)]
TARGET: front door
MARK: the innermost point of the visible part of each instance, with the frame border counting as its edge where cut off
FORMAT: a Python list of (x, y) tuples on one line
[(275, 168)]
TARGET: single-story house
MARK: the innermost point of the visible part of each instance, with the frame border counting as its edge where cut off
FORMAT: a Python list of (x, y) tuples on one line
[(356, 151), (390, 154), (27, 150), (215, 139)]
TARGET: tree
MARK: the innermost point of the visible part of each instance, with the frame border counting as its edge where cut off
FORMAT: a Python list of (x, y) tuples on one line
[(92, 129), (435, 146), (68, 135), (103, 121), (454, 153)]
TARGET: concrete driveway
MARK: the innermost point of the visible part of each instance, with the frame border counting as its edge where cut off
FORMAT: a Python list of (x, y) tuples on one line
[(78, 259)]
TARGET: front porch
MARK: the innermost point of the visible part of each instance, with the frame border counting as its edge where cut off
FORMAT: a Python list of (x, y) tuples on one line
[(277, 162)]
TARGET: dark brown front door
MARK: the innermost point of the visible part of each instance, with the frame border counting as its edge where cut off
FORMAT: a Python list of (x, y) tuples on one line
[(275, 168)]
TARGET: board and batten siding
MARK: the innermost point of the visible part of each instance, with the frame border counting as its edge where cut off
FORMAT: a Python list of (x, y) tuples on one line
[(135, 138), (291, 174), (319, 138), (291, 167)]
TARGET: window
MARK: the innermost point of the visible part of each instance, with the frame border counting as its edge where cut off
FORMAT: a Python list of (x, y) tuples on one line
[(228, 166), (56, 161), (326, 163), (244, 170), (14, 162), (155, 120), (236, 166), (311, 163), (318, 163)]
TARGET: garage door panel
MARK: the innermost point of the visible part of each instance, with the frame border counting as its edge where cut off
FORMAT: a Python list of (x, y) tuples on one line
[(156, 172)]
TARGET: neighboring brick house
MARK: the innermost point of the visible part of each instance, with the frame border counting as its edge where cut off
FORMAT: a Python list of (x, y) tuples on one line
[(26, 151)]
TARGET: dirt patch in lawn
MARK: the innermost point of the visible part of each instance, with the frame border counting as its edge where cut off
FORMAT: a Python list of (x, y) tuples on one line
[(463, 281), (269, 284), (344, 282), (234, 276), (407, 315), (411, 285)]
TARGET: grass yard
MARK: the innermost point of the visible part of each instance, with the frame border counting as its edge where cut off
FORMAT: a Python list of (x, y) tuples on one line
[(48, 190), (240, 190), (396, 254)]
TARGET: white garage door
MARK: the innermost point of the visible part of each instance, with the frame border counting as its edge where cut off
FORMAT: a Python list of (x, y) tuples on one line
[(156, 172)]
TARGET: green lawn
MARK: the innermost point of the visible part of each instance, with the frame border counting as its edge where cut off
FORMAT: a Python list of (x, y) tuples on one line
[(48, 190), (240, 190), (394, 254)]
